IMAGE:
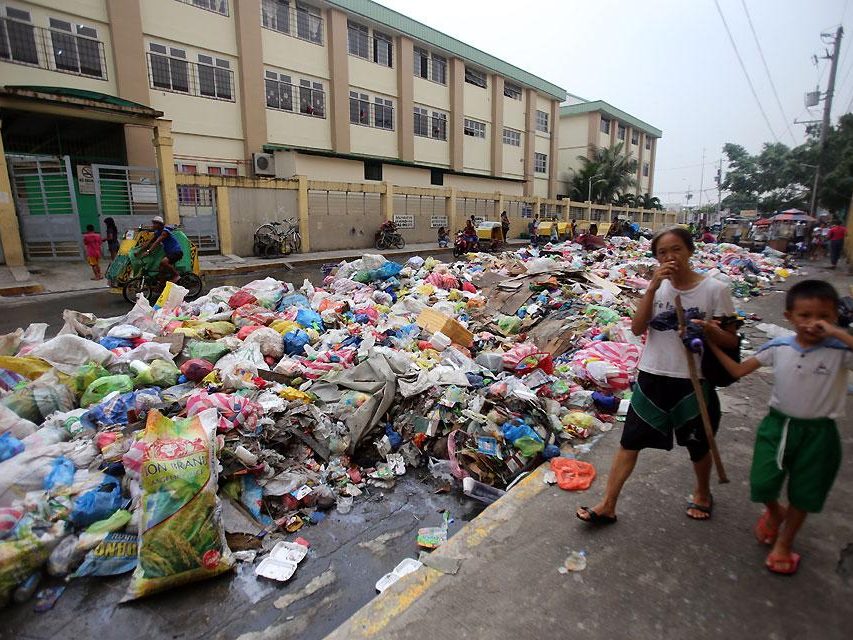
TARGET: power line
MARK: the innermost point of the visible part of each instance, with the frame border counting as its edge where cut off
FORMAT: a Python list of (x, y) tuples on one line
[(767, 70), (745, 72)]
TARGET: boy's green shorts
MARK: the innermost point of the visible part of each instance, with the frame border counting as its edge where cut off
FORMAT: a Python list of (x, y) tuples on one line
[(811, 458)]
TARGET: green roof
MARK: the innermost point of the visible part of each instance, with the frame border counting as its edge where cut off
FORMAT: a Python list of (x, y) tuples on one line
[(427, 35), (83, 94), (613, 112)]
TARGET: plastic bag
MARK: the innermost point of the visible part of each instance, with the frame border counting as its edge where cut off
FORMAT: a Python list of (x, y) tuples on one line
[(234, 411), (196, 370), (67, 353), (40, 398), (61, 474), (293, 300), (22, 555), (11, 422), (294, 342), (181, 537), (86, 375), (573, 475), (268, 340), (172, 296), (114, 409), (161, 373), (30, 368), (114, 555), (210, 351), (102, 387), (97, 504), (240, 298), (9, 379), (309, 318), (11, 342), (10, 446)]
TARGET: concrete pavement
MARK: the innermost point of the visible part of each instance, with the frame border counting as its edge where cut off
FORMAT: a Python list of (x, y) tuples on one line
[(655, 573)]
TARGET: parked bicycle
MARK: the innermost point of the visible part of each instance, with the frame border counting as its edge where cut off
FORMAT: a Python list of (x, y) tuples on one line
[(277, 238), (387, 237)]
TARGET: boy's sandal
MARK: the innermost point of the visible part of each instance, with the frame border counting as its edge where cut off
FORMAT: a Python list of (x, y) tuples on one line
[(764, 533), (594, 518), (706, 509), (782, 565)]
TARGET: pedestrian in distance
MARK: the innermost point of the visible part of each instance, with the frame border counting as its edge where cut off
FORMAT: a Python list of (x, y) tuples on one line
[(574, 229), (836, 235), (443, 237), (798, 438), (708, 237), (92, 241), (533, 230), (663, 404), (555, 236), (505, 225), (112, 237), (818, 243)]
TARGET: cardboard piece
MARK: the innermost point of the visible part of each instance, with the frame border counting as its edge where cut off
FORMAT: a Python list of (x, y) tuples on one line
[(435, 321)]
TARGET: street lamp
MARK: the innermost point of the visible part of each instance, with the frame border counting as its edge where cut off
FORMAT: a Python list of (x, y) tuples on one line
[(589, 186)]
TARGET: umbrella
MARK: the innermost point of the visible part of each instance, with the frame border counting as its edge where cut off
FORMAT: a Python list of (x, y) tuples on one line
[(793, 215), (762, 222)]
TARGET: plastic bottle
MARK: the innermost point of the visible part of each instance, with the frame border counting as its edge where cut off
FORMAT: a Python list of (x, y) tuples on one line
[(576, 561), (479, 491), (27, 588)]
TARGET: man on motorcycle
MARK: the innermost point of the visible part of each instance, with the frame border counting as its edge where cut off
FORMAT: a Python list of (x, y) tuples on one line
[(470, 234), (163, 235)]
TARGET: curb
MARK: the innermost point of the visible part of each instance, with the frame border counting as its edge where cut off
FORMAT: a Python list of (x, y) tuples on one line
[(21, 290), (374, 618)]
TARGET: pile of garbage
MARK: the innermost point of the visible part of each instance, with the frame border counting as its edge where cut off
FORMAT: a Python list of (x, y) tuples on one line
[(173, 440)]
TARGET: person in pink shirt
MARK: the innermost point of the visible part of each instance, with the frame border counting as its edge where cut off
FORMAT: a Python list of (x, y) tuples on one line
[(92, 241), (836, 241)]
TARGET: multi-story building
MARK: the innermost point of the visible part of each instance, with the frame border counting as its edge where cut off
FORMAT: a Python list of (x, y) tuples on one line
[(343, 90), (587, 125)]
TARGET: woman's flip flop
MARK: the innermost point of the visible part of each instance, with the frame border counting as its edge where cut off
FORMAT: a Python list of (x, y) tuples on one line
[(764, 533), (786, 566), (593, 517)]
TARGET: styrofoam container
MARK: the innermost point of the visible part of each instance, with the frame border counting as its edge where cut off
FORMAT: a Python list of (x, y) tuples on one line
[(404, 568), (288, 552), (280, 570)]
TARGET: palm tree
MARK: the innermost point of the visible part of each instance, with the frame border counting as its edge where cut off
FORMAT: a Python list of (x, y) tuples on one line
[(609, 172), (648, 201), (625, 200)]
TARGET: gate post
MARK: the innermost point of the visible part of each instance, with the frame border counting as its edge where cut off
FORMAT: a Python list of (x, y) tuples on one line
[(166, 165), (10, 233), (386, 201), (302, 208), (450, 208), (223, 220)]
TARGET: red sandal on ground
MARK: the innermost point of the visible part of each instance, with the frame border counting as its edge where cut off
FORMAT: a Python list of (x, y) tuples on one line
[(764, 533), (783, 565)]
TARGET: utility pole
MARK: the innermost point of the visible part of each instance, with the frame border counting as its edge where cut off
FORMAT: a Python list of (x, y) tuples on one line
[(827, 112), (701, 179), (719, 180)]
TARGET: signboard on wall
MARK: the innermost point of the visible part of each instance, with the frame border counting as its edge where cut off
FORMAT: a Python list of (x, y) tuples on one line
[(144, 193), (438, 221), (85, 179), (404, 220)]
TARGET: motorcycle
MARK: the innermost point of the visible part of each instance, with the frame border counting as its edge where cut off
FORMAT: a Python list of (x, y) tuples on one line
[(387, 237), (463, 245)]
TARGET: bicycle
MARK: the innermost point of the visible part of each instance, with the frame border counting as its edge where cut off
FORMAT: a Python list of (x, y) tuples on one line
[(150, 282), (279, 237)]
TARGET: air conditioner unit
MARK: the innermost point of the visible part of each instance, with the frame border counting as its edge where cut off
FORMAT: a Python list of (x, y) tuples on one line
[(264, 164)]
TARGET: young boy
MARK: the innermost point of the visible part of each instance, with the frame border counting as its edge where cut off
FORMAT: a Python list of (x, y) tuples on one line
[(92, 241), (798, 438), (443, 237)]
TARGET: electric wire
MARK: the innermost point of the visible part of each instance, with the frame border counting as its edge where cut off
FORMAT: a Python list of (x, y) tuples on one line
[(745, 72)]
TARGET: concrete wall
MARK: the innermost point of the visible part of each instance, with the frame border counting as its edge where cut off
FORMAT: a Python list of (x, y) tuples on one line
[(287, 52), (250, 208)]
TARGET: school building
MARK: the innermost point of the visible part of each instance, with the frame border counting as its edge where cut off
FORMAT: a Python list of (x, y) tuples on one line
[(123, 107)]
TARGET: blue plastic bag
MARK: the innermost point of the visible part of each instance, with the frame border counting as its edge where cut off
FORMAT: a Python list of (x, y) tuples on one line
[(10, 446), (108, 342), (114, 555), (295, 341), (251, 497), (114, 411), (512, 430), (61, 473), (309, 318), (387, 270), (293, 300), (97, 504)]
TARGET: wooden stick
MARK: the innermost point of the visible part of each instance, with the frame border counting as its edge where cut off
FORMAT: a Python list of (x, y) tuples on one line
[(700, 397)]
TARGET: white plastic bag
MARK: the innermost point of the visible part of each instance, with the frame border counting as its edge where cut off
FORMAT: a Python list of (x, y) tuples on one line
[(14, 424), (32, 337), (11, 342), (268, 340), (146, 352), (67, 353)]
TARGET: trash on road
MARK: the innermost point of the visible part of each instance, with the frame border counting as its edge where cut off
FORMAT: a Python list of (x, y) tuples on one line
[(239, 419)]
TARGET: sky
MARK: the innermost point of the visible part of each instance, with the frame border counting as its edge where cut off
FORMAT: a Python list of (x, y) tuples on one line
[(671, 64)]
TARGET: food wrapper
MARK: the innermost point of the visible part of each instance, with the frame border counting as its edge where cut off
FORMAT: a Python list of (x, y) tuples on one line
[(181, 537)]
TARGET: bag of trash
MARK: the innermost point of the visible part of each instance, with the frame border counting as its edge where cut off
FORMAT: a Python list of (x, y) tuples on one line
[(61, 474), (240, 298), (97, 504), (102, 387), (11, 342), (269, 341), (210, 351), (30, 368), (11, 422), (294, 342), (181, 537), (114, 555), (9, 379), (114, 410), (161, 373), (86, 375), (67, 353), (293, 300), (197, 369), (40, 398), (22, 554)]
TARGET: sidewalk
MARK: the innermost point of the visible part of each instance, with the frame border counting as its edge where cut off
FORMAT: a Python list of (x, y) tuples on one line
[(654, 574), (61, 277)]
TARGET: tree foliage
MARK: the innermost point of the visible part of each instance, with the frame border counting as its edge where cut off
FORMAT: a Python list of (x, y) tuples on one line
[(609, 173), (780, 177)]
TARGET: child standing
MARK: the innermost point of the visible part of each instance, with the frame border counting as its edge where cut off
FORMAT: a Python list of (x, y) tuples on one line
[(443, 237), (92, 241), (798, 438)]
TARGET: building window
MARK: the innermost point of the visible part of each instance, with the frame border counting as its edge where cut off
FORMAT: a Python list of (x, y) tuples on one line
[(512, 91), (187, 195), (221, 171), (648, 143), (359, 108), (312, 98), (383, 113), (645, 169), (474, 128), (372, 170), (605, 125), (279, 15), (430, 66), (635, 138), (279, 91), (540, 163), (620, 131), (214, 77), (78, 52), (169, 68), (357, 39), (475, 77), (217, 6), (436, 177), (512, 137), (541, 121), (430, 127), (382, 46), (18, 38)]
